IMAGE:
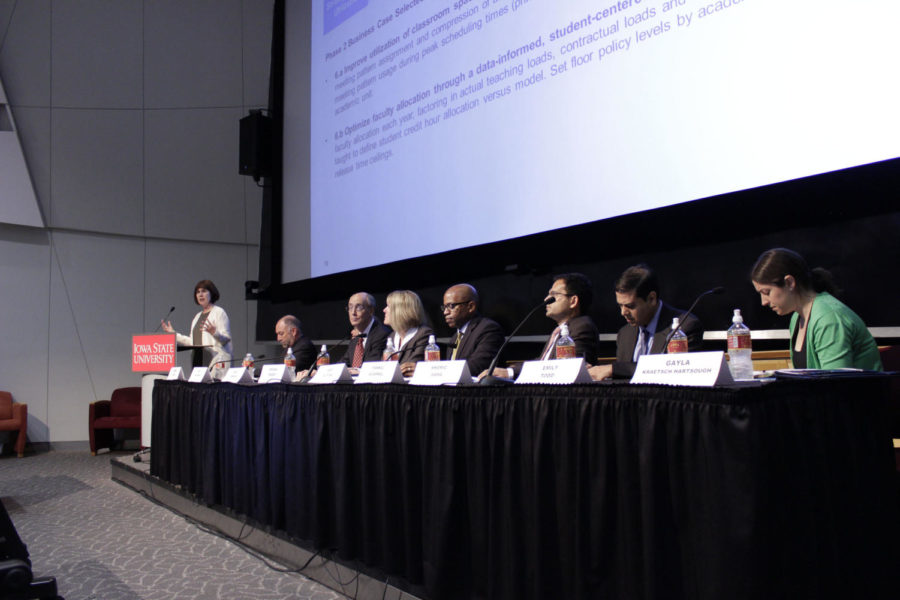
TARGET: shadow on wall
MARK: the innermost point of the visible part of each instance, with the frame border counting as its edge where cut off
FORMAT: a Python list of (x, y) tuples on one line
[(37, 430)]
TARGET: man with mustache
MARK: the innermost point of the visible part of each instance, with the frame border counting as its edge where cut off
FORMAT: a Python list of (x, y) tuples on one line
[(649, 322)]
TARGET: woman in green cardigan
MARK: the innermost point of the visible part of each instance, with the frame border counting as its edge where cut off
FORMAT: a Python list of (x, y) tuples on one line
[(825, 333)]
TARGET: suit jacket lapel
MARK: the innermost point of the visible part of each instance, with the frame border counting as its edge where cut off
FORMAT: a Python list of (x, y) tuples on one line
[(452, 343), (629, 341), (659, 341), (663, 327), (468, 337)]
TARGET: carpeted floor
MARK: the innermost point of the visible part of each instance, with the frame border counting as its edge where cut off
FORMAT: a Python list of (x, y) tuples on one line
[(103, 541)]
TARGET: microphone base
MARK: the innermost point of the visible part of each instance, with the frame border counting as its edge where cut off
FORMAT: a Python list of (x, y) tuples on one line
[(495, 381)]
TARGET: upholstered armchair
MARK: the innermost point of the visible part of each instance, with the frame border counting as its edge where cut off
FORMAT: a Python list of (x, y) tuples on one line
[(121, 411), (14, 417)]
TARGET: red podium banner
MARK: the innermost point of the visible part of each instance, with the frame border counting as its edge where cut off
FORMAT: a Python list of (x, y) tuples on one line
[(153, 353)]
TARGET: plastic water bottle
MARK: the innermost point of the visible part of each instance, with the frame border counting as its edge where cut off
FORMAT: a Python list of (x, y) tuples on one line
[(565, 345), (678, 342), (289, 360), (432, 351), (740, 348), (323, 358), (248, 361), (389, 350)]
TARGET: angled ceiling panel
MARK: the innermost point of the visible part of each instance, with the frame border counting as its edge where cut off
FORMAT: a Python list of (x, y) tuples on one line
[(18, 202)]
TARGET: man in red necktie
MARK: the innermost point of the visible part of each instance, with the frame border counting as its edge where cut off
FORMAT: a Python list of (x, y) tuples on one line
[(369, 334)]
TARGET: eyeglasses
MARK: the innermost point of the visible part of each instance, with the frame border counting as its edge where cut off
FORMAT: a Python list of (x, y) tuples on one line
[(452, 305), (356, 308), (557, 294)]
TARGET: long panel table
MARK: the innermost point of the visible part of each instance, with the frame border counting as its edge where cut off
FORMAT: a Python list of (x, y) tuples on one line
[(532, 492)]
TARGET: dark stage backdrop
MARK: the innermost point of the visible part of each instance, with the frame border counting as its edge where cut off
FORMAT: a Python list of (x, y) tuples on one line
[(846, 221)]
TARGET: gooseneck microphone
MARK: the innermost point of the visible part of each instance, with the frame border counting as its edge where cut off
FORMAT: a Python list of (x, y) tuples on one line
[(165, 318), (489, 379), (333, 346), (715, 290)]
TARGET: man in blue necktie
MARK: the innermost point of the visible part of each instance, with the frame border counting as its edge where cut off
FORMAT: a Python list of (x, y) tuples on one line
[(649, 322)]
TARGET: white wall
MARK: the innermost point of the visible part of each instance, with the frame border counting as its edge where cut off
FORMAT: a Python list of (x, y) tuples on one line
[(128, 113)]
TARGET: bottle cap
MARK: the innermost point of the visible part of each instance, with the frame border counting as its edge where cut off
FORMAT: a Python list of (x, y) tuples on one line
[(737, 318), (675, 323), (431, 339)]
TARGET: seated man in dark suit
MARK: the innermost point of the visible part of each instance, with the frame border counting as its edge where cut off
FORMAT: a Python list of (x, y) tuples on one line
[(369, 334), (649, 323), (289, 335), (572, 294), (477, 339)]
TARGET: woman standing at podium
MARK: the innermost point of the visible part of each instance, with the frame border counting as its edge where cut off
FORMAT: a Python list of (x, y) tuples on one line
[(825, 333), (405, 314), (210, 328)]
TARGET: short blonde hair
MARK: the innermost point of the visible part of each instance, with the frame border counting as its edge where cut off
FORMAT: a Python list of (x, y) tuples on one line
[(407, 310)]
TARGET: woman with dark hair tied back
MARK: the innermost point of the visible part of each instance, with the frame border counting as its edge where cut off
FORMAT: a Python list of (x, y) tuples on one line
[(825, 333), (210, 328)]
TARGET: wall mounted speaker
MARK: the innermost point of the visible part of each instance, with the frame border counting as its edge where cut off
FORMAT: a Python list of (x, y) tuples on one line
[(256, 145)]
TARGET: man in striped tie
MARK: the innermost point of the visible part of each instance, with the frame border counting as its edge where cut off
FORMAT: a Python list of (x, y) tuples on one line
[(572, 295)]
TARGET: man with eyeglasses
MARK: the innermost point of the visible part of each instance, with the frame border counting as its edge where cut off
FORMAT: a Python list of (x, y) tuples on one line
[(476, 339), (369, 334), (572, 295)]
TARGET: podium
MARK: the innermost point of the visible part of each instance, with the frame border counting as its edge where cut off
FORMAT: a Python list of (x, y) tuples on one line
[(152, 355)]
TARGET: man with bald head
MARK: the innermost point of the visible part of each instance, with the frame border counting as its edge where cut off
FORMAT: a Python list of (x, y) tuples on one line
[(476, 339), (289, 335), (369, 334)]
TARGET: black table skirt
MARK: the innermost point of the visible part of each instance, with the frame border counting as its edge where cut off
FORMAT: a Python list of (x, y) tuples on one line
[(539, 492)]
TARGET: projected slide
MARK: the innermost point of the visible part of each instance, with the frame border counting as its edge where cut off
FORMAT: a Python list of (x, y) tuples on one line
[(438, 125)]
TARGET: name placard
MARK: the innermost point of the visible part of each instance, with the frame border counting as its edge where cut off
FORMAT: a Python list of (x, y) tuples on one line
[(152, 353), (200, 375), (441, 372), (336, 373), (276, 374), (238, 375), (175, 374), (703, 369), (380, 372), (558, 372)]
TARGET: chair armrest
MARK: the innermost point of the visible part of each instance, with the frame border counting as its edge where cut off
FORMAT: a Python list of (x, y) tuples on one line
[(20, 410), (98, 409)]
